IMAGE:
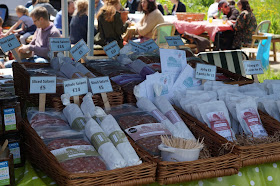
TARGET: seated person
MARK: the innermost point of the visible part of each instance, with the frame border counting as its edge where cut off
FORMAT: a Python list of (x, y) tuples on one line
[(45, 3), (178, 6), (160, 8), (110, 24), (151, 19), (230, 11), (245, 25), (132, 5), (213, 9), (79, 22), (31, 7), (231, 2), (40, 42), (98, 5), (58, 19)]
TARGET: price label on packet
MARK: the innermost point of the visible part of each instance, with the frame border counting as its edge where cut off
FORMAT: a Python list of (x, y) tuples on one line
[(150, 45), (76, 87), (42, 85), (203, 71), (137, 48), (79, 50), (174, 40), (253, 67), (100, 85), (59, 44), (112, 49), (9, 43)]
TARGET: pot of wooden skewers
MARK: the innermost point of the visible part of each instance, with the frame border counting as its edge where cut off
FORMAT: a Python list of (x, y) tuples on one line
[(179, 149)]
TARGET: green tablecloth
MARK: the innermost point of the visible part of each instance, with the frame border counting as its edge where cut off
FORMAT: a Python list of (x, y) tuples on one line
[(258, 175)]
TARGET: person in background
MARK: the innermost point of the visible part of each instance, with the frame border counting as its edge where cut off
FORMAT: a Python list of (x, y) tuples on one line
[(213, 9), (231, 2), (110, 24), (58, 19), (245, 25), (98, 5), (230, 11), (178, 6), (30, 8), (40, 42), (45, 3), (151, 19), (1, 29), (132, 5), (79, 22), (160, 8), (27, 26), (28, 4)]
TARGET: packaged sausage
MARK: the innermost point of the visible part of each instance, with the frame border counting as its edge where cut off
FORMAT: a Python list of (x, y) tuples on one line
[(84, 70), (112, 130), (73, 114), (70, 71), (270, 107), (167, 109), (87, 105), (216, 116), (103, 145)]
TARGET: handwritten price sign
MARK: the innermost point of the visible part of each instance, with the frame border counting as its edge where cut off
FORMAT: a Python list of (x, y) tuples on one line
[(79, 50), (205, 71), (137, 48), (100, 85), (174, 40), (42, 85), (112, 49), (76, 87), (59, 44), (9, 43), (253, 67), (150, 45)]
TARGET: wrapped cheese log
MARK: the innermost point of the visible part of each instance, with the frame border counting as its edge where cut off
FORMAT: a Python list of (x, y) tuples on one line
[(87, 105), (120, 141), (146, 105), (84, 70), (73, 114), (104, 146), (70, 71), (167, 109)]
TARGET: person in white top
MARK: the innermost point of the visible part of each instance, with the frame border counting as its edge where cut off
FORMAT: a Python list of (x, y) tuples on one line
[(213, 9)]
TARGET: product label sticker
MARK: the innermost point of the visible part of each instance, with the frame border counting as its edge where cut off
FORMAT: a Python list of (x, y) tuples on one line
[(174, 40), (76, 87), (203, 71), (98, 139), (150, 45), (78, 124), (4, 173), (173, 116), (42, 84), (253, 67), (137, 48), (220, 125), (15, 150), (59, 44), (117, 138), (158, 115), (9, 43), (252, 120), (100, 85), (112, 49), (79, 50), (72, 152), (10, 119), (147, 130)]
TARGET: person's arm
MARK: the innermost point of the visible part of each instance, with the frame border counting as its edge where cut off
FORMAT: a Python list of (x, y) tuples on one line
[(234, 15), (58, 21), (120, 28), (13, 27), (147, 26), (240, 23), (52, 11)]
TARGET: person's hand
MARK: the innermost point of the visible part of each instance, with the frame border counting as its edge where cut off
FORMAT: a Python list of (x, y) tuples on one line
[(165, 7), (128, 22), (24, 49), (4, 35)]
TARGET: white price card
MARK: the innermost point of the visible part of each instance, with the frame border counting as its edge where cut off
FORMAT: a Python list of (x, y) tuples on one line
[(100, 85), (174, 40), (76, 87), (253, 67), (203, 71), (9, 43), (112, 49), (42, 85), (59, 44), (137, 48), (79, 50), (150, 45)]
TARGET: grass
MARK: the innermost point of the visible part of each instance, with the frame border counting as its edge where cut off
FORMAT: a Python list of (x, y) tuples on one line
[(269, 74)]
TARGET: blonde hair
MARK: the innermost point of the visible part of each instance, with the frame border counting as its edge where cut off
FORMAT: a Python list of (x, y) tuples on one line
[(110, 10), (43, 1), (1, 22), (22, 9), (81, 7)]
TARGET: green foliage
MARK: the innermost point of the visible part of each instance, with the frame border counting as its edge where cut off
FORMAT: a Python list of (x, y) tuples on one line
[(269, 74)]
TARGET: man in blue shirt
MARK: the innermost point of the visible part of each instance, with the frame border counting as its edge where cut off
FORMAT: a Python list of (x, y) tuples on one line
[(58, 19)]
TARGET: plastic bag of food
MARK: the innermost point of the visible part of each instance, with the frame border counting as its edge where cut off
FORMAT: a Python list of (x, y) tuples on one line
[(216, 116), (84, 70), (87, 105), (141, 68), (112, 130), (70, 71), (167, 109), (73, 114), (104, 146), (249, 118), (270, 107)]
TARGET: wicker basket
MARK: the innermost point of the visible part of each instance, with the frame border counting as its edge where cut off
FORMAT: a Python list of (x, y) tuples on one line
[(41, 157), (22, 80), (190, 16), (250, 155), (216, 166)]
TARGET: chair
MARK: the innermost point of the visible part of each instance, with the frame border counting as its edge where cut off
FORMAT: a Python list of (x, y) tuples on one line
[(231, 60), (162, 30)]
